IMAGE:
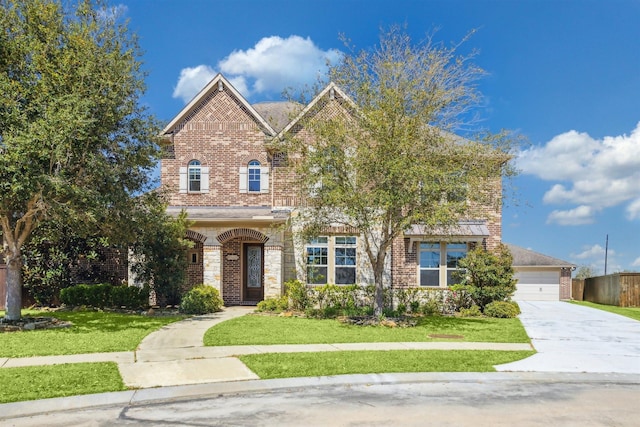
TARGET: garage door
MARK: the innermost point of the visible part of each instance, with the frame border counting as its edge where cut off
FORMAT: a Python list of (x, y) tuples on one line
[(537, 286)]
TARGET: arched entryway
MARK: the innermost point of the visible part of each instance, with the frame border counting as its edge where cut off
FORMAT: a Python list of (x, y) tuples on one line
[(243, 267)]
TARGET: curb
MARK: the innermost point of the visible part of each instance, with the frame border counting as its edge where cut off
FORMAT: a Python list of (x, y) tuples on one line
[(200, 391)]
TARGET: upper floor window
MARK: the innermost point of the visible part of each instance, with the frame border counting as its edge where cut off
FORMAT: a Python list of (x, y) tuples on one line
[(195, 176), (254, 176)]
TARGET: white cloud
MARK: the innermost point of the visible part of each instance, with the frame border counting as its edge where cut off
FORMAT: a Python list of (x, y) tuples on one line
[(191, 81), (636, 263), (578, 216), (272, 65), (591, 252), (633, 210), (600, 173)]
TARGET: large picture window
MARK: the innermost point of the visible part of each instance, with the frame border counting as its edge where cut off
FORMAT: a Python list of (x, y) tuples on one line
[(331, 260), (439, 261)]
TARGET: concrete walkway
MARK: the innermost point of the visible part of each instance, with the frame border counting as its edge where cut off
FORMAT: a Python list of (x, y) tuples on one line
[(176, 355)]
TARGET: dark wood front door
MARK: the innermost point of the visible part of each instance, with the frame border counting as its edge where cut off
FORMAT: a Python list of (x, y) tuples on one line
[(253, 289)]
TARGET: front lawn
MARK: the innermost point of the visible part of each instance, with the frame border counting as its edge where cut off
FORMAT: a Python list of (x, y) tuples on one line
[(630, 312), (92, 332), (288, 365), (264, 330), (43, 382)]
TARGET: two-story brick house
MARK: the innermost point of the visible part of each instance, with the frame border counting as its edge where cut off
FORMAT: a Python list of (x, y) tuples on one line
[(241, 198)]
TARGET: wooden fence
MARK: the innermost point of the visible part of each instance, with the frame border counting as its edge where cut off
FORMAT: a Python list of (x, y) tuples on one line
[(621, 289)]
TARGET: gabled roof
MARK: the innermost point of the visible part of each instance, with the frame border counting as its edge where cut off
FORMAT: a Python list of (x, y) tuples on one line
[(526, 258), (217, 83), (330, 90)]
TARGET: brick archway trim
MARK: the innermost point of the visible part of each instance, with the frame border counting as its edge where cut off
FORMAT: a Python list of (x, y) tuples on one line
[(242, 232), (195, 236)]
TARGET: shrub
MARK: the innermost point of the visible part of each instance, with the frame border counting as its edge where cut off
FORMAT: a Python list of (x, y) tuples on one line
[(473, 311), (105, 296), (501, 309), (488, 276), (298, 295), (431, 308), (275, 305), (201, 299), (129, 296)]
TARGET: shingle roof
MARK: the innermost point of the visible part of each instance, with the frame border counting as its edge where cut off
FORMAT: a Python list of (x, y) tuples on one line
[(526, 258), (217, 213), (463, 229), (278, 114)]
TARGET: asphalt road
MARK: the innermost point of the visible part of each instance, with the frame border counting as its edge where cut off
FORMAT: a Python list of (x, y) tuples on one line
[(493, 399)]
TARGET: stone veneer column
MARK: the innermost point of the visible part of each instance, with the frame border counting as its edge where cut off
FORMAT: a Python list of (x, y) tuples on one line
[(273, 271), (212, 263)]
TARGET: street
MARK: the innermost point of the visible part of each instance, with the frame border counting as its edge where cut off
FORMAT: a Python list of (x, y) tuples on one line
[(494, 399)]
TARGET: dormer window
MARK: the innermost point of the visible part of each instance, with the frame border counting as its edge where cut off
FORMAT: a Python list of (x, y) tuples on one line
[(194, 178)]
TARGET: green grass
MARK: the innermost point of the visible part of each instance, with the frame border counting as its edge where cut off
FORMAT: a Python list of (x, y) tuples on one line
[(256, 330), (92, 332), (42, 382), (288, 365), (631, 312)]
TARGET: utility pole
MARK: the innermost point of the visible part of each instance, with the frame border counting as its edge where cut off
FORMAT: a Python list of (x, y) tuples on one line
[(606, 254)]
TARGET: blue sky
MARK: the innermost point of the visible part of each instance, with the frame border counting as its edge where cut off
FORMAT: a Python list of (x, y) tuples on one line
[(564, 74)]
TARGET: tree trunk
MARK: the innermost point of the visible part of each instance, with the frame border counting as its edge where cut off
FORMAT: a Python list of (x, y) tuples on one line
[(14, 285), (378, 304)]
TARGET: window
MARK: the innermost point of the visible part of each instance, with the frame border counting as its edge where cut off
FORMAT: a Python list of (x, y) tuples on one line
[(331, 260), (254, 176), (345, 260), (439, 261), (455, 252), (317, 260), (195, 176), (429, 264)]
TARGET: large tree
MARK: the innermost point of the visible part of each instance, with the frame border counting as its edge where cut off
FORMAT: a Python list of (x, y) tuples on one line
[(392, 156), (75, 141)]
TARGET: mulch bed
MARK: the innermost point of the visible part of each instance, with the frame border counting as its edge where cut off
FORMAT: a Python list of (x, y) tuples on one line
[(32, 323)]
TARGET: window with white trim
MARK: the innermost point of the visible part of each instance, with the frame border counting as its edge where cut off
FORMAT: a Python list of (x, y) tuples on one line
[(254, 176), (331, 260), (195, 176), (345, 260), (429, 264), (317, 260), (438, 261), (454, 253)]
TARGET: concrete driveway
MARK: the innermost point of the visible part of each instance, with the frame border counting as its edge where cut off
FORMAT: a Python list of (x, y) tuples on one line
[(573, 338)]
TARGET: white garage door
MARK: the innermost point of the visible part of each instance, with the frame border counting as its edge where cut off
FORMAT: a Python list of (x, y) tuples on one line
[(537, 286)]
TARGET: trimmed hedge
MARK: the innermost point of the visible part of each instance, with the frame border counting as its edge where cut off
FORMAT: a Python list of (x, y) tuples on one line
[(105, 295)]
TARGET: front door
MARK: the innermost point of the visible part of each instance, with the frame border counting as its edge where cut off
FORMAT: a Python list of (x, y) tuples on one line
[(253, 272)]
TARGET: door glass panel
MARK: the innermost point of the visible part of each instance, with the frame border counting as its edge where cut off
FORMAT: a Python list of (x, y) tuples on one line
[(254, 267)]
